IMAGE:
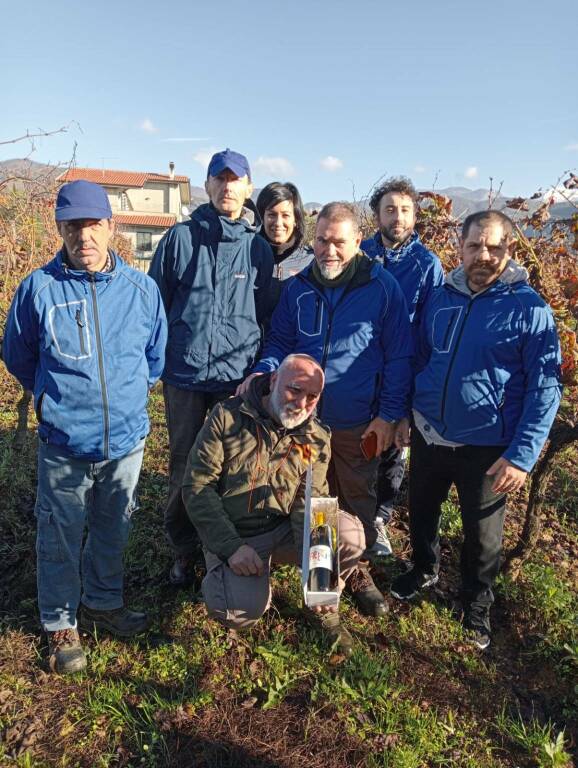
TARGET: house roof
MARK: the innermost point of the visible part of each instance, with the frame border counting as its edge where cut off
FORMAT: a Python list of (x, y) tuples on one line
[(145, 219), (118, 178)]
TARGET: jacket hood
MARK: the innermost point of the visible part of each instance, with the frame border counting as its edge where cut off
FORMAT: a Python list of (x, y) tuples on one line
[(513, 273), (208, 217)]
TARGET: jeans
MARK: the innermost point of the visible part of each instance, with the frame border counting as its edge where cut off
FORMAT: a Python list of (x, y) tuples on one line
[(71, 492), (432, 471), (185, 412)]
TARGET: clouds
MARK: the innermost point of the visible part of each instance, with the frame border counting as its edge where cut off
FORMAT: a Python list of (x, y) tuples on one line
[(274, 166), (419, 169), (203, 157), (571, 147), (331, 163), (471, 172), (147, 126)]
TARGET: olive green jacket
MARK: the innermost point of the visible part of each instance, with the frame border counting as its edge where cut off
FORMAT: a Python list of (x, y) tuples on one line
[(245, 472)]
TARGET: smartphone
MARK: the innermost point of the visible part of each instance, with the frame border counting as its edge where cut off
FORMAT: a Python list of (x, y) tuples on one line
[(369, 446)]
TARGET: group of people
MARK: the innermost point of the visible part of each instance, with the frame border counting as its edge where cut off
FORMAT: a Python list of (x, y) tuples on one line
[(276, 356)]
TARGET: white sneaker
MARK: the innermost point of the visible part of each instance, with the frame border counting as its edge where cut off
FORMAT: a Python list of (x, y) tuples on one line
[(382, 546)]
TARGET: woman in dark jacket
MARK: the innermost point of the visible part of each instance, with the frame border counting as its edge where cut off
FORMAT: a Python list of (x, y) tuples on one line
[(283, 217)]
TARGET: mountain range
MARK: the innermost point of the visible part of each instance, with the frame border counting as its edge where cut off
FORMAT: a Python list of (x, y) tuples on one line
[(464, 200)]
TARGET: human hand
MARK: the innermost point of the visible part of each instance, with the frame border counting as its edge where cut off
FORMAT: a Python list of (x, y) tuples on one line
[(246, 562), (323, 609), (384, 432), (401, 438), (244, 385), (507, 477)]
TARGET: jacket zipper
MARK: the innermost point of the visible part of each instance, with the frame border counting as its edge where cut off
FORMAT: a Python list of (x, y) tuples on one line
[(100, 367), (451, 365), (330, 313), (80, 325)]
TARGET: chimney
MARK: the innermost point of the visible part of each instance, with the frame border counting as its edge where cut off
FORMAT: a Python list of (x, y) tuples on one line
[(171, 170)]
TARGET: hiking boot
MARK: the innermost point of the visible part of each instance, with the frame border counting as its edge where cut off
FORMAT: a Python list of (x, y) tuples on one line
[(337, 634), (65, 653), (382, 546), (120, 621), (365, 594), (477, 625), (408, 585)]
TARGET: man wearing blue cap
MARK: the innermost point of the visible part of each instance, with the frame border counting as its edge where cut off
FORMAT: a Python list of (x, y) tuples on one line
[(87, 334), (214, 273)]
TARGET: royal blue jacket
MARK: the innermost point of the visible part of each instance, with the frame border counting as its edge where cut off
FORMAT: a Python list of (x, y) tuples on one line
[(214, 275), (363, 342), (417, 270), (90, 346), (489, 365)]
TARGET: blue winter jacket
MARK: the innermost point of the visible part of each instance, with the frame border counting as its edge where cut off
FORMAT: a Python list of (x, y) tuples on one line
[(90, 346), (489, 365), (363, 343), (417, 270), (214, 275)]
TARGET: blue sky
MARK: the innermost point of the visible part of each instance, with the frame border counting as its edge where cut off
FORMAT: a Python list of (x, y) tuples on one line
[(332, 95)]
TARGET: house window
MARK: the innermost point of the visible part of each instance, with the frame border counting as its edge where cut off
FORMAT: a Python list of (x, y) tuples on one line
[(144, 242)]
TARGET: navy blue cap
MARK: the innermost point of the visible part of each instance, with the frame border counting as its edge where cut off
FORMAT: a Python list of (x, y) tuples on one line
[(234, 161), (82, 200)]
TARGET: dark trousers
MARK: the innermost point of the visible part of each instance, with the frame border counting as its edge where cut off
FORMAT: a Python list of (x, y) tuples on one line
[(185, 413), (352, 478), (432, 471), (389, 479)]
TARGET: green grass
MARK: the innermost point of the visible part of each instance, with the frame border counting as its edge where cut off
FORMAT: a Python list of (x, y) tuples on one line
[(413, 694)]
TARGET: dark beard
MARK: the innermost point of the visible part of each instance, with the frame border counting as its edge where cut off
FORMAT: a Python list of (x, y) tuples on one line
[(390, 237)]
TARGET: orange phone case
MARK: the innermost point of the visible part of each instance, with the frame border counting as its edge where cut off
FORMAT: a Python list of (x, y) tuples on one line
[(369, 446)]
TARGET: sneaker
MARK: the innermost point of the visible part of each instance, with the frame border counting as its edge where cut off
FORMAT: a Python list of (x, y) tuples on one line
[(382, 546), (182, 571), (409, 584), (337, 634), (65, 653), (120, 621), (365, 594), (477, 625)]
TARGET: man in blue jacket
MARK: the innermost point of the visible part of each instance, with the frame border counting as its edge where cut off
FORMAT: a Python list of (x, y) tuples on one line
[(214, 273), (87, 334), (486, 393), (418, 271), (349, 314)]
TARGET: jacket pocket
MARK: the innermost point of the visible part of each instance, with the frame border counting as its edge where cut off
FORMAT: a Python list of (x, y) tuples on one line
[(310, 313), (49, 545), (444, 326), (69, 329)]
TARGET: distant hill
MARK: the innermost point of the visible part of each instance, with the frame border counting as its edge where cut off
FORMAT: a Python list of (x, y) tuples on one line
[(20, 170)]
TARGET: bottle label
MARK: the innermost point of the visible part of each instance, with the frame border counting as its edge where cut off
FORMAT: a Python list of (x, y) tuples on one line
[(320, 556)]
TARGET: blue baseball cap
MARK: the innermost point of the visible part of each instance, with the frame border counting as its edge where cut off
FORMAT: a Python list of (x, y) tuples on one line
[(234, 161), (82, 200)]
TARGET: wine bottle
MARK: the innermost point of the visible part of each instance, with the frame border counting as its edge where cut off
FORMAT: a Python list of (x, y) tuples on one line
[(321, 556)]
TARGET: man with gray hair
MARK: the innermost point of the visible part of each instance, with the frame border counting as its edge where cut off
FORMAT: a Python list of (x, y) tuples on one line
[(244, 491), (349, 314)]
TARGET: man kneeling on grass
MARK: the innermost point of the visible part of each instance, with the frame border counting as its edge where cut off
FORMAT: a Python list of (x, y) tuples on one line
[(244, 490)]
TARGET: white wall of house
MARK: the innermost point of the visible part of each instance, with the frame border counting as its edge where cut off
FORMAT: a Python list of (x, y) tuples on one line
[(152, 198)]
